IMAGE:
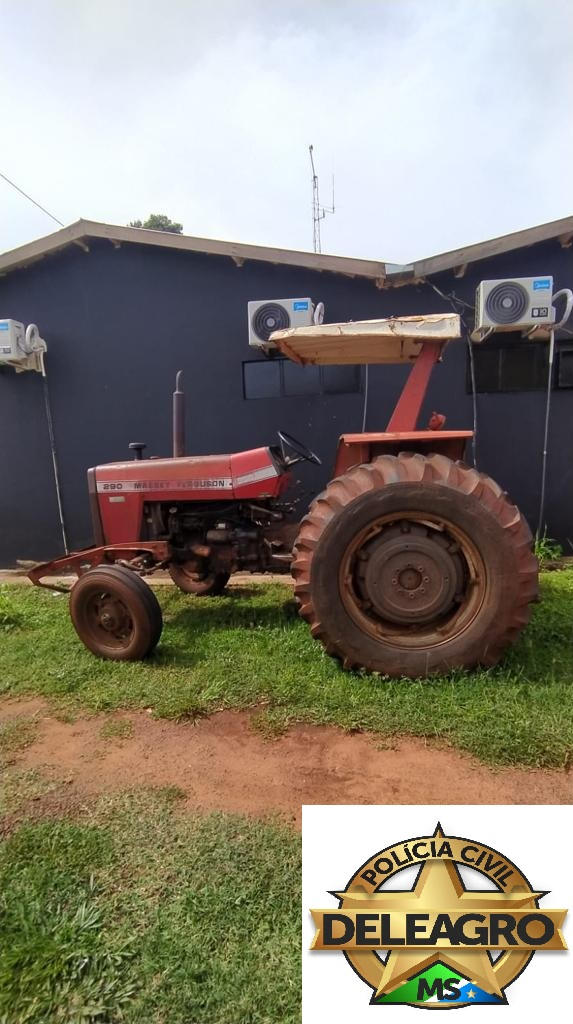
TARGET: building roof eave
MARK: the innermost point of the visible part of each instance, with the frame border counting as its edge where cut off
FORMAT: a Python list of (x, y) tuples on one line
[(384, 274), (84, 230), (560, 230)]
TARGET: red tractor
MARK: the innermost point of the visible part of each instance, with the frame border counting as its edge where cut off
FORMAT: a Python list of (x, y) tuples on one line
[(410, 562)]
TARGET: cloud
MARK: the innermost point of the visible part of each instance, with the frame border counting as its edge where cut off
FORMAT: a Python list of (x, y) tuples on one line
[(444, 122)]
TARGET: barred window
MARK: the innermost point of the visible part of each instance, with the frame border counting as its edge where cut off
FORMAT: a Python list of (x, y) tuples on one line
[(280, 378), (503, 364)]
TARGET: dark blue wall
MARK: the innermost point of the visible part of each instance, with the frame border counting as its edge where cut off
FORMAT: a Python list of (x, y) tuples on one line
[(510, 425), (120, 322)]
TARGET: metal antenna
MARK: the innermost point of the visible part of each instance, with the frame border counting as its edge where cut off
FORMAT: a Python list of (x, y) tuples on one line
[(318, 212)]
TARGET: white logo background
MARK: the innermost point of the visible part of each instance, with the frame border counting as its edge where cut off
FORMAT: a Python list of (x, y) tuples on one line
[(337, 839)]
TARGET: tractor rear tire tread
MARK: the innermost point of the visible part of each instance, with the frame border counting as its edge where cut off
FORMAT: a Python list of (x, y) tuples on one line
[(414, 468)]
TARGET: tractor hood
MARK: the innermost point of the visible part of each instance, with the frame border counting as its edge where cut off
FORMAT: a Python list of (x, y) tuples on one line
[(250, 474)]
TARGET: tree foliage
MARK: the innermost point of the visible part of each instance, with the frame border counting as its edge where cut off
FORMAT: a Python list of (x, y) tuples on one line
[(158, 222)]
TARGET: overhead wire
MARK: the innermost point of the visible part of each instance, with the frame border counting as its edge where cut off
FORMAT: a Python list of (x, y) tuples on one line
[(567, 294), (472, 366), (54, 457), (26, 196), (365, 404), (455, 302), (47, 403)]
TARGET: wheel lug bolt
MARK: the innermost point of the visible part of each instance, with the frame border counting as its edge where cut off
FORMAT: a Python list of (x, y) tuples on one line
[(426, 579)]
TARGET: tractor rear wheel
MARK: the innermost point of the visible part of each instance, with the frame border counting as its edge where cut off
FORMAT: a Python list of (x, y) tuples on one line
[(202, 584), (413, 565), (115, 614)]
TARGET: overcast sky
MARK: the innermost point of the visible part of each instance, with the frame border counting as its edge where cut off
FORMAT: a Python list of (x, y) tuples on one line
[(444, 122)]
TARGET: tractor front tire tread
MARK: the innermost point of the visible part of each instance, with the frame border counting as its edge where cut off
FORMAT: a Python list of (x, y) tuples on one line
[(144, 608)]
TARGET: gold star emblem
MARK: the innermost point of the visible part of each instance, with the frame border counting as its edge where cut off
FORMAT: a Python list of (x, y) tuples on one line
[(438, 886), (471, 994)]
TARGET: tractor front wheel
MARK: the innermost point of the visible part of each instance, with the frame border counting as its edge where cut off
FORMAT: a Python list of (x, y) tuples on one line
[(115, 614), (413, 565), (201, 584)]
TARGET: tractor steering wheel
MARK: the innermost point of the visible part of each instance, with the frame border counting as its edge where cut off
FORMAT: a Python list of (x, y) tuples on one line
[(302, 453)]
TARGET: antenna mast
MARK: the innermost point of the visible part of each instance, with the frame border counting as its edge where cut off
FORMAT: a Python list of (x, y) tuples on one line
[(318, 212)]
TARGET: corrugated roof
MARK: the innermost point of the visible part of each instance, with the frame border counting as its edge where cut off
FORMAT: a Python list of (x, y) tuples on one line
[(82, 231)]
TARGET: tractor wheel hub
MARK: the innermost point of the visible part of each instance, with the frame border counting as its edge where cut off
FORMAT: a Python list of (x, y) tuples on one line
[(409, 574), (111, 616), (409, 578)]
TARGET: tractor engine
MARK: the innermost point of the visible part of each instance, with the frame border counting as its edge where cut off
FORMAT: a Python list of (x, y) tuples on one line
[(216, 515), (223, 538)]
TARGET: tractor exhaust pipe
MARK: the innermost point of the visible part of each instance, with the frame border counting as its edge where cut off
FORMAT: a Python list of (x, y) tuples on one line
[(178, 418)]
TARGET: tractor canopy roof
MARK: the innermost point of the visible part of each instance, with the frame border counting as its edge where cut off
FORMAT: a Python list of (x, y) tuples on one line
[(394, 340)]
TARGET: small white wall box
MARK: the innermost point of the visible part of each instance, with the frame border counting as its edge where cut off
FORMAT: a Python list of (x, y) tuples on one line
[(517, 304), (21, 347), (12, 340), (271, 315)]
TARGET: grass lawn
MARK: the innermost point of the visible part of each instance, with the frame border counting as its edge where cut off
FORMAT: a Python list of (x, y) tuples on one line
[(136, 913), (132, 911), (250, 648)]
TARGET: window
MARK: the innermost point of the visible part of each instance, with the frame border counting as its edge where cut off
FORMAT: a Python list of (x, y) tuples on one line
[(300, 380), (336, 380), (279, 378), (262, 380), (508, 364), (565, 374)]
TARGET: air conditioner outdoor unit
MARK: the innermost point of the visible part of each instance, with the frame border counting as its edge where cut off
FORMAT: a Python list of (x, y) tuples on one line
[(12, 335), (271, 315), (517, 304), (21, 347)]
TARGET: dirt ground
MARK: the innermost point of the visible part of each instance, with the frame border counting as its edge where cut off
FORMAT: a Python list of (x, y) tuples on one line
[(224, 763), (160, 578)]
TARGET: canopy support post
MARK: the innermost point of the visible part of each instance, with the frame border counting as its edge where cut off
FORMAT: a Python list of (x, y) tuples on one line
[(407, 408)]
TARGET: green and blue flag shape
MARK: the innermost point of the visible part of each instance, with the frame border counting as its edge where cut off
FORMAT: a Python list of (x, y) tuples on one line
[(438, 984)]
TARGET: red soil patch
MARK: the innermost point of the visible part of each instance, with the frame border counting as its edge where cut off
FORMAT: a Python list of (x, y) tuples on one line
[(222, 763)]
